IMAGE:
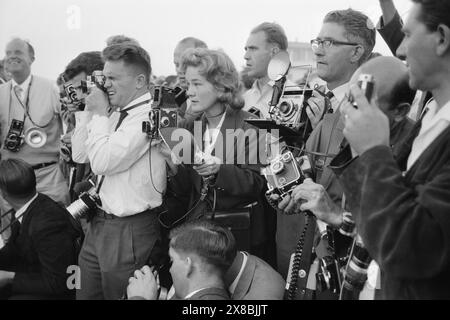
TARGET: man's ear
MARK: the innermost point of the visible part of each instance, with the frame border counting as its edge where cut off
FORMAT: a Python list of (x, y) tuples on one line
[(274, 51), (443, 39), (189, 264), (141, 81), (357, 53), (401, 111)]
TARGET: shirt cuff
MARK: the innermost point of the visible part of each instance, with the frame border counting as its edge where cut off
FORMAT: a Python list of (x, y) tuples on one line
[(83, 117)]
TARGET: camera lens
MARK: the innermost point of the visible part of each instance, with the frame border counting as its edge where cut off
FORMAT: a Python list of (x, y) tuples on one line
[(165, 122), (277, 167), (285, 108)]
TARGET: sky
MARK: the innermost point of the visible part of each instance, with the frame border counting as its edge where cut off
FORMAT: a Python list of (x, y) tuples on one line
[(61, 29)]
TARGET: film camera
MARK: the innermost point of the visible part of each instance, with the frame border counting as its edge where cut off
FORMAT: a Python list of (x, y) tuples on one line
[(287, 104), (164, 113), (97, 79), (367, 83), (14, 138), (284, 173), (87, 202)]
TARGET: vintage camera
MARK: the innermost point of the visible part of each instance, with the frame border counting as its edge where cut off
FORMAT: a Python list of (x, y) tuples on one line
[(97, 79), (71, 94), (14, 138), (86, 204), (283, 174), (289, 97), (164, 113), (366, 82), (356, 272)]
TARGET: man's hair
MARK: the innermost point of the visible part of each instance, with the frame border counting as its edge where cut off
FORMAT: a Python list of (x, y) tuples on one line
[(131, 55), (120, 38), (214, 244), (434, 12), (86, 62), (358, 28), (17, 178), (29, 46), (275, 34), (219, 70), (400, 93), (193, 42)]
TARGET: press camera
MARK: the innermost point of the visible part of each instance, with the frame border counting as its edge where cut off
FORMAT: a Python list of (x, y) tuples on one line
[(14, 138), (164, 113)]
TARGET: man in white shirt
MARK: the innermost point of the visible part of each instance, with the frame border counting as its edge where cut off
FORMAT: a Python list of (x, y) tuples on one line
[(264, 41), (33, 102), (132, 175), (402, 217)]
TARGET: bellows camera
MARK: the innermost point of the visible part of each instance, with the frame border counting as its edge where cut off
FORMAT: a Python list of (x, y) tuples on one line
[(284, 173), (97, 79), (164, 113), (14, 138), (287, 104)]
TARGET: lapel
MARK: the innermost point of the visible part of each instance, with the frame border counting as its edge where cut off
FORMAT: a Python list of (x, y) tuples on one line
[(244, 283), (336, 137), (27, 215)]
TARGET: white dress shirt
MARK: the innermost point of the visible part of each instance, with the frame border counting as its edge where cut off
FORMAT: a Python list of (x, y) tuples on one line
[(24, 86), (19, 213), (433, 124), (122, 156), (339, 94), (260, 99)]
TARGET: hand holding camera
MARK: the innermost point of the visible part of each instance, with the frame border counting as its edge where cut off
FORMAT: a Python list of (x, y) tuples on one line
[(97, 102), (316, 106), (311, 196), (145, 283), (367, 126)]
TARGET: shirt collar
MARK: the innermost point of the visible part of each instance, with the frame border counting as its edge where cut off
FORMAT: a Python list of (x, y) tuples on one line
[(24, 85), (264, 88), (144, 97), (24, 208), (434, 115), (340, 91)]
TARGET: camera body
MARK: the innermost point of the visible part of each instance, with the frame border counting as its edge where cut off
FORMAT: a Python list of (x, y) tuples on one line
[(97, 79), (290, 110), (164, 113), (14, 138), (66, 152), (284, 173), (367, 83), (86, 204)]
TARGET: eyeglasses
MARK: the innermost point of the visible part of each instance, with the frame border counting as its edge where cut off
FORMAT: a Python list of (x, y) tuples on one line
[(328, 43)]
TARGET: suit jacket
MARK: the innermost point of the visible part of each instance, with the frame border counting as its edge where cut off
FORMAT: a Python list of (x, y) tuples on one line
[(404, 220), (236, 184), (259, 281), (392, 32), (211, 294), (40, 250)]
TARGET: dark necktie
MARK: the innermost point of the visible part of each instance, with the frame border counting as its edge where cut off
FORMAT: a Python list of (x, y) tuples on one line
[(328, 96), (123, 115)]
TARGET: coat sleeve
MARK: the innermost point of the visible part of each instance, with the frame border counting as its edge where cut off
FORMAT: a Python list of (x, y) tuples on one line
[(405, 228), (392, 32)]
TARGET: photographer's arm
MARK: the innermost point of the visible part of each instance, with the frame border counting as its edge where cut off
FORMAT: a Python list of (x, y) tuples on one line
[(406, 230), (390, 25), (79, 137)]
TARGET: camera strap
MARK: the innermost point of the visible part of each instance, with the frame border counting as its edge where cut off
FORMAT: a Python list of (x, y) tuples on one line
[(123, 115)]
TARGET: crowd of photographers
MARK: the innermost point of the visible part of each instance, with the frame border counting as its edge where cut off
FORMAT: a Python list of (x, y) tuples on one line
[(216, 184)]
